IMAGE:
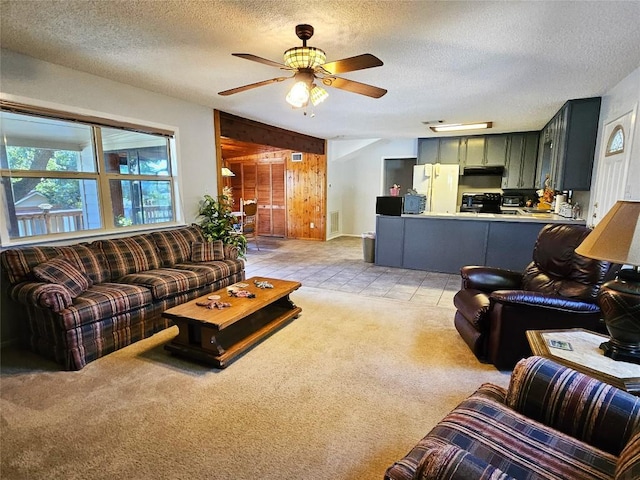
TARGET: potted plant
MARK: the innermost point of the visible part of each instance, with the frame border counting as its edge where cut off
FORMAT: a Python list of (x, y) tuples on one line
[(217, 222)]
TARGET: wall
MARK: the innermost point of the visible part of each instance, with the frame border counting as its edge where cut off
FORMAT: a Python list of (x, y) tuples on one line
[(28, 80), (616, 102), (355, 179)]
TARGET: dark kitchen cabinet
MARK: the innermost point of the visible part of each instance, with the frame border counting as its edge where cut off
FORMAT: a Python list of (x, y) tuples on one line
[(428, 150), (522, 155), (496, 150), (439, 150), (449, 150), (484, 150), (567, 146), (473, 151)]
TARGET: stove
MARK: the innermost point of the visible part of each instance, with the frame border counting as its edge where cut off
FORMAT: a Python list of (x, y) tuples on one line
[(481, 202)]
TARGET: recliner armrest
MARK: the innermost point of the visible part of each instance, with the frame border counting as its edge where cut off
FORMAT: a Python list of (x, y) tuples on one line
[(454, 463), (536, 299), (574, 403), (489, 279)]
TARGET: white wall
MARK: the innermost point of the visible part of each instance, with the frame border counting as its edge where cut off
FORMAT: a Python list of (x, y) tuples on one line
[(354, 174), (616, 102), (28, 80)]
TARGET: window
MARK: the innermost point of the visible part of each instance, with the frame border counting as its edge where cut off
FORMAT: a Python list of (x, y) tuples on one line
[(53, 183), (615, 144)]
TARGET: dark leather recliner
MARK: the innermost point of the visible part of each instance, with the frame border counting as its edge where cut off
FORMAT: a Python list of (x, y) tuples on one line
[(557, 290)]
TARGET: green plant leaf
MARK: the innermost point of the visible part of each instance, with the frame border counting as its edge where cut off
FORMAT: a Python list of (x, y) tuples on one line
[(217, 220)]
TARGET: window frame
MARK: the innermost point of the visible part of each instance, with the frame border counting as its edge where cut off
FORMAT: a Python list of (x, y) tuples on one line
[(617, 129), (100, 175)]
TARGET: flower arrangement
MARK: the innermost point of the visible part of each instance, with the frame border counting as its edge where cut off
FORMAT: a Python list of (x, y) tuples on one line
[(545, 195), (395, 190)]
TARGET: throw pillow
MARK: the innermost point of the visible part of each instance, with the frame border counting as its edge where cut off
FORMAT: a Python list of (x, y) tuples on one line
[(207, 251), (60, 270)]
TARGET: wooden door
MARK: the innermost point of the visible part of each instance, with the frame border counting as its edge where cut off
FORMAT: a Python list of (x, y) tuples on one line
[(271, 198)]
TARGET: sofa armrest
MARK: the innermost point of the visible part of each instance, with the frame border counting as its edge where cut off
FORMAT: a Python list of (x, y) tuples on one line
[(450, 462), (45, 295), (489, 279), (583, 407), (542, 300)]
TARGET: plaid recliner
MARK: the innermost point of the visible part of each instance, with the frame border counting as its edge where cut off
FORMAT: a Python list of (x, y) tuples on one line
[(551, 423)]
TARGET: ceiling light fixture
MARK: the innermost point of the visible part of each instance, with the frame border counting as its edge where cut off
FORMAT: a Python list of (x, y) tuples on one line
[(304, 57), (454, 127), (318, 95), (304, 90)]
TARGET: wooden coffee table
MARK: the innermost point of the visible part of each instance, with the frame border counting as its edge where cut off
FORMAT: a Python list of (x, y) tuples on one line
[(218, 336)]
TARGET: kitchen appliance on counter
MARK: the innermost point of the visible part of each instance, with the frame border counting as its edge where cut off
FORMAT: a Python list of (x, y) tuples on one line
[(389, 205), (439, 184), (512, 200), (415, 203), (481, 202)]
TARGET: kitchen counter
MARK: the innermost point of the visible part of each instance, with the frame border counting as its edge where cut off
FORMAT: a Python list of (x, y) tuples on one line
[(445, 242), (520, 215)]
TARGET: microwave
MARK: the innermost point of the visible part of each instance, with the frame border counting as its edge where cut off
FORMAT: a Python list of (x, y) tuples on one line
[(389, 205), (512, 201)]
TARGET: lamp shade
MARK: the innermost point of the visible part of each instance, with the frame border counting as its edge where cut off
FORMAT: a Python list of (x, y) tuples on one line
[(227, 173), (616, 238)]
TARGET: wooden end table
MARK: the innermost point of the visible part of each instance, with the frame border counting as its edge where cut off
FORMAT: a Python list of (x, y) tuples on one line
[(218, 336), (585, 356)]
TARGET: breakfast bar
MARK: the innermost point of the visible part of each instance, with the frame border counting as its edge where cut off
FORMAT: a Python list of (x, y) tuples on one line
[(446, 242)]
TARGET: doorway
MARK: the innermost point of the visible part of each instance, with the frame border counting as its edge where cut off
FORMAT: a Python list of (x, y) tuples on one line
[(613, 165), (398, 171)]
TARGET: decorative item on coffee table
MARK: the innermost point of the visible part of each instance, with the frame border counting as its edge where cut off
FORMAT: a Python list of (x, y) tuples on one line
[(617, 239)]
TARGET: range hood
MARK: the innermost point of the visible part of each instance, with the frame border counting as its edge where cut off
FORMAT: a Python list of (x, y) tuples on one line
[(484, 170)]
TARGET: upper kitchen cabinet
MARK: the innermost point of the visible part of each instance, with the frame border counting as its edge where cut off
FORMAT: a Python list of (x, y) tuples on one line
[(439, 150), (522, 155), (484, 150), (473, 148), (567, 146), (496, 149)]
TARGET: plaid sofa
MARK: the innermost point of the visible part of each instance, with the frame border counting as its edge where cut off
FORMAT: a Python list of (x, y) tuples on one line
[(83, 301), (551, 423)]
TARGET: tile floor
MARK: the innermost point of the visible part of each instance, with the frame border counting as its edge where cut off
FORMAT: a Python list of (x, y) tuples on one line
[(339, 264)]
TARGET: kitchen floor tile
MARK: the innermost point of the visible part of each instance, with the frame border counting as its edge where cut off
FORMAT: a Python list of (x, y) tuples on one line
[(338, 265)]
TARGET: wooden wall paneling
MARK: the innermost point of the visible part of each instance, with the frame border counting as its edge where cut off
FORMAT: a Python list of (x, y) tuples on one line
[(251, 131), (297, 192), (249, 180), (236, 183), (306, 197)]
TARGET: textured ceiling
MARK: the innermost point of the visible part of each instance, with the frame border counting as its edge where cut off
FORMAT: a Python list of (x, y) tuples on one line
[(514, 63)]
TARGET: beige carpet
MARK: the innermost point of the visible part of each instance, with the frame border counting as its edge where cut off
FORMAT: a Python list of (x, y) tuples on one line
[(339, 393)]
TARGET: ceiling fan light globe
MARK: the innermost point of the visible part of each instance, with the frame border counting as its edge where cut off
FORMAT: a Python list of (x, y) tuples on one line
[(298, 96), (304, 57), (318, 95)]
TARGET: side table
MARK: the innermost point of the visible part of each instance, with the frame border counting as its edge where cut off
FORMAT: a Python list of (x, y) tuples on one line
[(579, 349)]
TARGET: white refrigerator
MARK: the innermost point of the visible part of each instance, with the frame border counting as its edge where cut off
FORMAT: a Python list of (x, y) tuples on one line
[(440, 185)]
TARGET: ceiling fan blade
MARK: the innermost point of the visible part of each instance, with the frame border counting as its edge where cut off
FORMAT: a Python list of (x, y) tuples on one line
[(355, 87), (251, 85), (359, 62), (255, 58)]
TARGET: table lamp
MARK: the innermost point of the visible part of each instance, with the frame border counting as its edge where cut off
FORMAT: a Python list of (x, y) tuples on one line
[(616, 239)]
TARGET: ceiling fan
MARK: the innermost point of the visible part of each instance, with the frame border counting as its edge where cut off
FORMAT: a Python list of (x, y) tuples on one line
[(307, 65)]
